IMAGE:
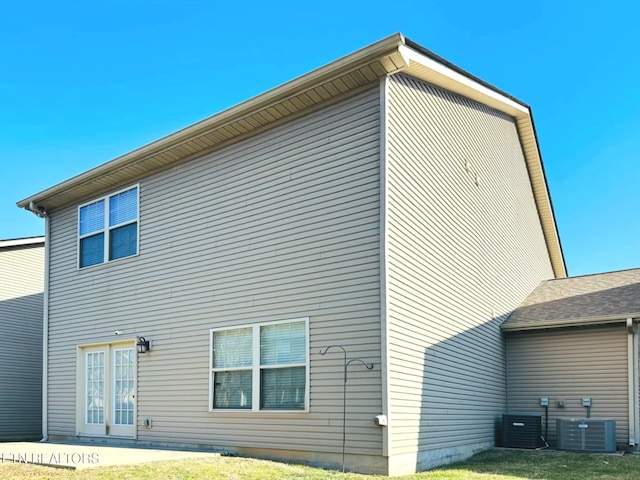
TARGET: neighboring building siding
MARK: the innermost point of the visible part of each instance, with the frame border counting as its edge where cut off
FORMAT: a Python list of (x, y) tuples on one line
[(465, 247), (568, 365), (281, 225), (21, 314)]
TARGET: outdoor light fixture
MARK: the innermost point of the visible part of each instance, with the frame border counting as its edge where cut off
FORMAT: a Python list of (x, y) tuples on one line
[(143, 345)]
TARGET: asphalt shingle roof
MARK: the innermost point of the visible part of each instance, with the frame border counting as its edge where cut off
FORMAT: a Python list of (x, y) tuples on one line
[(566, 300)]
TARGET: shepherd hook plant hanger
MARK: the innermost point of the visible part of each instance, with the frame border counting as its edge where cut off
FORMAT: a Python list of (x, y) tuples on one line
[(368, 366)]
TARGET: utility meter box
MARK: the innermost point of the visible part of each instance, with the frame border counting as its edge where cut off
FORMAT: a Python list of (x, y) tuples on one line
[(380, 420)]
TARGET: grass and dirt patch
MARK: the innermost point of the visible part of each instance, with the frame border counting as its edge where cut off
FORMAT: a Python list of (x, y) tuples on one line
[(490, 465)]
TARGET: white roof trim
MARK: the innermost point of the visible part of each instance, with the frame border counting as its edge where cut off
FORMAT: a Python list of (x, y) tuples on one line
[(568, 322), (21, 241), (394, 54), (484, 94)]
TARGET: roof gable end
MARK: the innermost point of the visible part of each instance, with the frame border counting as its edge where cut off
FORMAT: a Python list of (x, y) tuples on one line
[(389, 56)]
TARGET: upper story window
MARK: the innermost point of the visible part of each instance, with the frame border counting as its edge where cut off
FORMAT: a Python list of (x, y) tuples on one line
[(260, 367), (108, 228)]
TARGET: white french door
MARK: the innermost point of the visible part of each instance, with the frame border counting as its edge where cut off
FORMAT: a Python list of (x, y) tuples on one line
[(108, 391)]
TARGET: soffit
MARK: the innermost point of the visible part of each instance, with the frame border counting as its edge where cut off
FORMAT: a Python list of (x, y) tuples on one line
[(317, 87), (391, 55)]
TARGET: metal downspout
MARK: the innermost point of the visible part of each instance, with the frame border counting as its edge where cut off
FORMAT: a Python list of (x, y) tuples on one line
[(42, 213), (632, 372), (384, 269), (45, 334)]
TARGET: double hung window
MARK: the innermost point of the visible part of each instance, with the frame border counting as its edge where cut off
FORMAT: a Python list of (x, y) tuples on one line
[(260, 367), (108, 228)]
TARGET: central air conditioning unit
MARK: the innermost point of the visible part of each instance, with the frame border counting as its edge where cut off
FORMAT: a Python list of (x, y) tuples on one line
[(521, 430), (586, 434)]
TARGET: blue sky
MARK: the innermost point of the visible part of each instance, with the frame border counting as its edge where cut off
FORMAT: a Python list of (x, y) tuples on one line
[(84, 82)]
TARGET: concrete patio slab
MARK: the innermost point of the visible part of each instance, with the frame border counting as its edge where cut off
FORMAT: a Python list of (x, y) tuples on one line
[(82, 455)]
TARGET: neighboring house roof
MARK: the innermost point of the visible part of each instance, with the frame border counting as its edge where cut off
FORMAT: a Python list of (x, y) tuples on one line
[(15, 242), (360, 69), (585, 300)]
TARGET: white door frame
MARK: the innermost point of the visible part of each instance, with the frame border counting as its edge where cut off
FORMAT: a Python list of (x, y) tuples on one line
[(88, 357)]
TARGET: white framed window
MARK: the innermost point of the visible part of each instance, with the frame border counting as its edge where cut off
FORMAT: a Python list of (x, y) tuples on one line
[(108, 228), (263, 366)]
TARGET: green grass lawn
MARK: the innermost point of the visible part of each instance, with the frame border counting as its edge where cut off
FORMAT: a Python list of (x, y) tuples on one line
[(490, 465)]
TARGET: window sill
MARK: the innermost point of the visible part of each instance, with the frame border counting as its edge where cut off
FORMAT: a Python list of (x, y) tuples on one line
[(266, 413), (98, 266)]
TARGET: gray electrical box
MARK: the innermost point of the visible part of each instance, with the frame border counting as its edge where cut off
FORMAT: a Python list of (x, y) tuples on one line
[(380, 420)]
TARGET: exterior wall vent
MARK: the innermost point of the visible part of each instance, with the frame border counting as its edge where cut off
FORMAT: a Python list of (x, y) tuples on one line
[(521, 430), (586, 434)]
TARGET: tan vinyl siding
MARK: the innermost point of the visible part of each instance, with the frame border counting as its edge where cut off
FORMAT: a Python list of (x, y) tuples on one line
[(568, 365), (21, 314), (465, 248), (278, 226)]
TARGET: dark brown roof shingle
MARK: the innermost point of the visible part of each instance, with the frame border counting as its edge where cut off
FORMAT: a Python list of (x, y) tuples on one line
[(565, 301)]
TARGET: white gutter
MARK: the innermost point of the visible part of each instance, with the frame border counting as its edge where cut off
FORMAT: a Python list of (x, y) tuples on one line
[(274, 96), (394, 54), (566, 322), (38, 211)]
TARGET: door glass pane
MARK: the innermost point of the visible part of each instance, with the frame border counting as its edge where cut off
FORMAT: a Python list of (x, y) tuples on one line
[(94, 406), (123, 391)]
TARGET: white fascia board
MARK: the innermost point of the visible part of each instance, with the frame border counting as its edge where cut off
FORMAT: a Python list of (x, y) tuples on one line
[(271, 97), (16, 242), (462, 84), (569, 322)]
